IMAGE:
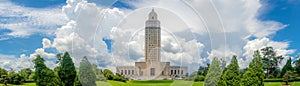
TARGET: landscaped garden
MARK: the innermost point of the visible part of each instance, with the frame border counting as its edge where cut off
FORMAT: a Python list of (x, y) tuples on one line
[(162, 83), (262, 70)]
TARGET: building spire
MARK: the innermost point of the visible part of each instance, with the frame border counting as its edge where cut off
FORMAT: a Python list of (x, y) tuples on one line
[(152, 9), (152, 15)]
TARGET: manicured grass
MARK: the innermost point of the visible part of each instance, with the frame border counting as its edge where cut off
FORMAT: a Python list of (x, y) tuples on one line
[(160, 83), (280, 83), (198, 84), (25, 84), (141, 83)]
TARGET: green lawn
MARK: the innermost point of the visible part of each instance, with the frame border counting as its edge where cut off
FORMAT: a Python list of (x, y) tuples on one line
[(25, 84), (161, 83)]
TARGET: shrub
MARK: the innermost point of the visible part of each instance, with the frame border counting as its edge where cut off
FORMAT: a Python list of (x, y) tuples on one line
[(199, 78), (119, 77), (15, 79)]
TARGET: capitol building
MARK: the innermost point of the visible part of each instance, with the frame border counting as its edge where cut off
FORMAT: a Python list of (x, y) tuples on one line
[(152, 68)]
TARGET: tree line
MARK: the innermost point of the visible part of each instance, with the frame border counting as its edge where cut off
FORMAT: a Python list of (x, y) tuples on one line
[(65, 74), (263, 67)]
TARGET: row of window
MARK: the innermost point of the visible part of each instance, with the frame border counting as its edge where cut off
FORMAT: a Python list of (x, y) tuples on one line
[(127, 72), (174, 72), (152, 72)]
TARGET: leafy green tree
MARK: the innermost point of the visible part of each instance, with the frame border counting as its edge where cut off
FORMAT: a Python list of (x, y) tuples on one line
[(43, 75), (32, 76), (3, 76), (254, 75), (203, 70), (289, 76), (26, 72), (87, 75), (15, 78), (119, 77), (4, 80), (3, 72), (271, 61), (66, 70), (199, 78), (232, 75), (214, 73), (108, 74), (286, 67)]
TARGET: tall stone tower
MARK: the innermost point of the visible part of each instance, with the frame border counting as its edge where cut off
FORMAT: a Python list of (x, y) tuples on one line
[(152, 38), (152, 68)]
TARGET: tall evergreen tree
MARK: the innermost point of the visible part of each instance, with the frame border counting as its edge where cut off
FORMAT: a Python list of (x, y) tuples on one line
[(286, 67), (254, 75), (214, 73), (232, 75), (297, 65), (77, 82), (87, 75), (43, 75), (66, 70)]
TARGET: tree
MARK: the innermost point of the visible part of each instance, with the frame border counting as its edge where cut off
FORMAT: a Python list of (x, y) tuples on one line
[(99, 73), (232, 75), (3, 72), (297, 65), (66, 70), (4, 80), (192, 76), (119, 77), (199, 78), (26, 72), (15, 78), (214, 73), (289, 76), (254, 75), (3, 76), (43, 75), (77, 82), (286, 67), (87, 75), (202, 70), (270, 61), (108, 74)]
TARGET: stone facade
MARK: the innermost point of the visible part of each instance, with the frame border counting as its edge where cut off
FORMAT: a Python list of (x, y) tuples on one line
[(152, 68)]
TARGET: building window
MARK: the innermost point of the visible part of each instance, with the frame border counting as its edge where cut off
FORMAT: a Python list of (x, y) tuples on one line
[(181, 72), (142, 73), (128, 72), (162, 73), (178, 72), (152, 71), (175, 72), (171, 72), (121, 72), (132, 72), (125, 72)]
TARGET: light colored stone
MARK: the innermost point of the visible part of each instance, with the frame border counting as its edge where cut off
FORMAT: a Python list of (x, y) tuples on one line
[(152, 68)]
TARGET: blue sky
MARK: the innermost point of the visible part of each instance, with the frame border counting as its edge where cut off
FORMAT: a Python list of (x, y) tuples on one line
[(284, 11), (27, 45)]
